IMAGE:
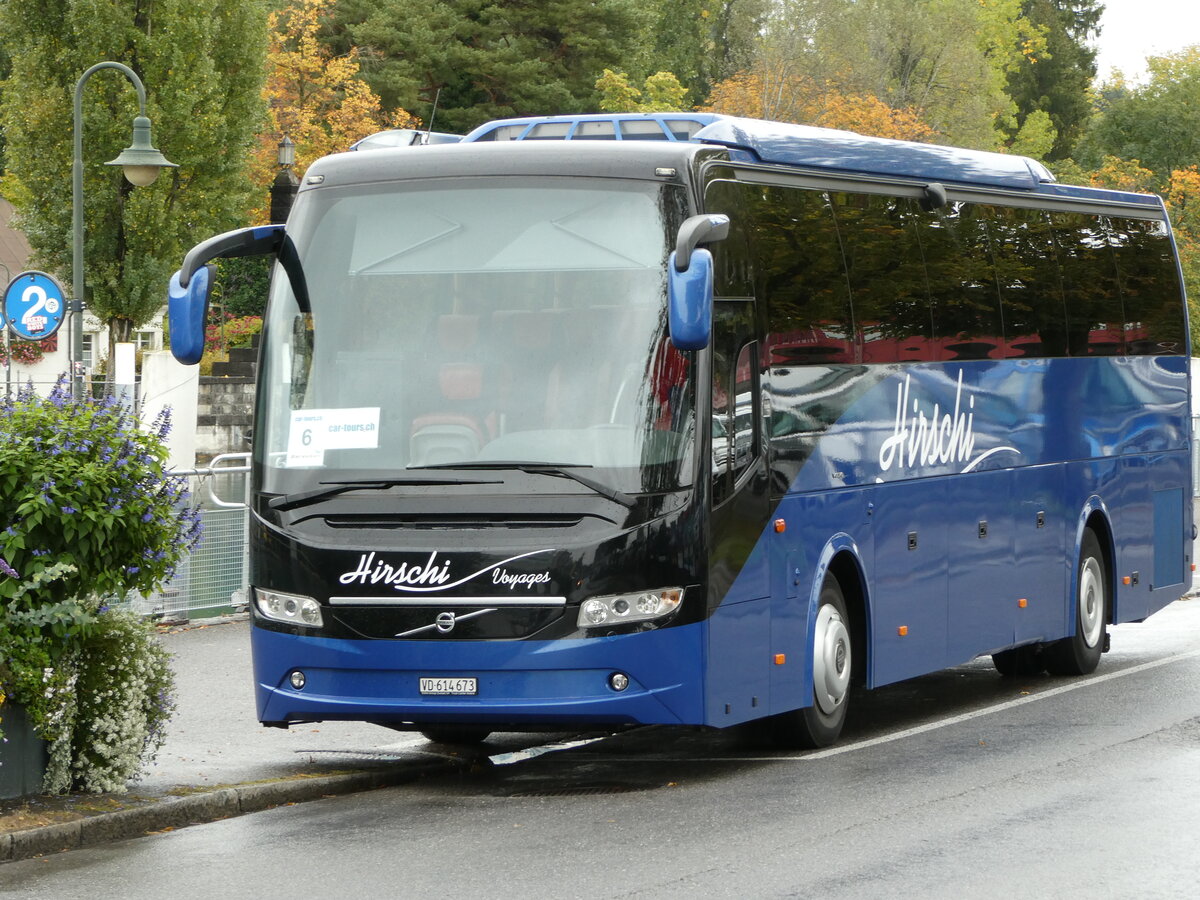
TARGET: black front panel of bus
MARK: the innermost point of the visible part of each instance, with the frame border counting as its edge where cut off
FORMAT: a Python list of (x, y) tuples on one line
[(510, 578)]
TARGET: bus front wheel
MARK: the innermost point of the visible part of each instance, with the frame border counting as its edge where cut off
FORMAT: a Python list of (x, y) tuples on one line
[(1079, 654), (820, 724)]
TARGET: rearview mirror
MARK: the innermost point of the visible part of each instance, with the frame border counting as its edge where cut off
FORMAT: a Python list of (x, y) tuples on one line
[(187, 311), (690, 281), (689, 299)]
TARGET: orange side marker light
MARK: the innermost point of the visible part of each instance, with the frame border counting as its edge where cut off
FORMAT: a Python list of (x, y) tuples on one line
[(902, 631), (1023, 602), (780, 526), (780, 659), (1126, 580)]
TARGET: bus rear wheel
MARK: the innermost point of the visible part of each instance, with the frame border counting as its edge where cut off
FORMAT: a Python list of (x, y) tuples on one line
[(451, 733), (1079, 654), (820, 724)]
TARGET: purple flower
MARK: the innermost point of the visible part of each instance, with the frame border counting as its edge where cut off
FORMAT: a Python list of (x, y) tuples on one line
[(69, 510), (7, 569)]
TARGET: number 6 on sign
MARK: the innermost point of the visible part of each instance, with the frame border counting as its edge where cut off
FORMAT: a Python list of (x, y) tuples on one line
[(33, 306)]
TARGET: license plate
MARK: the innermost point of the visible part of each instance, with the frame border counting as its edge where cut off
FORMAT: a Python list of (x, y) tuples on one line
[(454, 686)]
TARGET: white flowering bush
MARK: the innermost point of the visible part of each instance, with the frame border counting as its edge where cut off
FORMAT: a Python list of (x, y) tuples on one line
[(86, 512)]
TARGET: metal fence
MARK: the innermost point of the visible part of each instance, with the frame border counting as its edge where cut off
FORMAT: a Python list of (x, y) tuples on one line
[(212, 579)]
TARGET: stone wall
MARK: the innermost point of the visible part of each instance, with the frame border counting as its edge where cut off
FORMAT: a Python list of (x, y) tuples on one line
[(225, 407)]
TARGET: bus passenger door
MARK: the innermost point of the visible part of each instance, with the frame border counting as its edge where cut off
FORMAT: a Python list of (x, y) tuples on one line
[(739, 624)]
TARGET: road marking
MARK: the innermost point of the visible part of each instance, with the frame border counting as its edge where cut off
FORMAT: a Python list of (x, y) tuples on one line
[(507, 759), (955, 720), (999, 707)]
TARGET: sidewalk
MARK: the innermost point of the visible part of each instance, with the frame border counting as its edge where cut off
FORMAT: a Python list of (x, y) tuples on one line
[(218, 761)]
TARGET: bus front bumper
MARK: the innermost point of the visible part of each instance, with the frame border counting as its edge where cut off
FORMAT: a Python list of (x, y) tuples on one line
[(519, 683)]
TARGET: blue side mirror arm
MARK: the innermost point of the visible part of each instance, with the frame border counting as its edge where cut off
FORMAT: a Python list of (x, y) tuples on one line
[(191, 287)]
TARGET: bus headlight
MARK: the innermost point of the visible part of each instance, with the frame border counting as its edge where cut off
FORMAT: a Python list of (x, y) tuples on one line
[(290, 608), (620, 609)]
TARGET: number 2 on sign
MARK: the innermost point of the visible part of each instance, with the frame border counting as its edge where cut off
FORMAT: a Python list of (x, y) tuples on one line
[(38, 293)]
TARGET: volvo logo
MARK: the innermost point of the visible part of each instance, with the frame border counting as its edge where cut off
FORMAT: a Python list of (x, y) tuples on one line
[(445, 621)]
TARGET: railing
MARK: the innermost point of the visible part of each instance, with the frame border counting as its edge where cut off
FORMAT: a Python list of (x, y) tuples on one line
[(212, 579)]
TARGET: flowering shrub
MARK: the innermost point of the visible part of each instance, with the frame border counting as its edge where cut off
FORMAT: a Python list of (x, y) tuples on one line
[(24, 352), (231, 331), (91, 514)]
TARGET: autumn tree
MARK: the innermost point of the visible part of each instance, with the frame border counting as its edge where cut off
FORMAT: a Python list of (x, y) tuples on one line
[(943, 61), (315, 98), (202, 63), (796, 98), (1183, 203)]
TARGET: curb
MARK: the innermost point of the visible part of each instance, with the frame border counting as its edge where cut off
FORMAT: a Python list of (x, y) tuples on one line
[(197, 809)]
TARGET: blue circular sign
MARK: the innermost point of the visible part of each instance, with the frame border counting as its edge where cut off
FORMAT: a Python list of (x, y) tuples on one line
[(34, 306)]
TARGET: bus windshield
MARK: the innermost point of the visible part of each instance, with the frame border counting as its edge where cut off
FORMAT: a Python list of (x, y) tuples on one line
[(477, 323)]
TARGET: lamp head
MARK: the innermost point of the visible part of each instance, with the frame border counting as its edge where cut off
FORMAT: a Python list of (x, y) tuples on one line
[(141, 160)]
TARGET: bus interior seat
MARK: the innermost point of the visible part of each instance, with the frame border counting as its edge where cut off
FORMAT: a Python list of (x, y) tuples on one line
[(454, 429)]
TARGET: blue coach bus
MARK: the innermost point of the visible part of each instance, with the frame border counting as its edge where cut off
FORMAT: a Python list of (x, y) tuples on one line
[(585, 434)]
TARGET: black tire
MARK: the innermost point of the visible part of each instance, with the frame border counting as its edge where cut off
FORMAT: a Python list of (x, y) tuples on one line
[(455, 734), (1079, 654), (820, 724), (1020, 662)]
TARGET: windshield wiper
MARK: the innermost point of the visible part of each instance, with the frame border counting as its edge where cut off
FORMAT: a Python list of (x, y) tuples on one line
[(291, 501), (557, 470)]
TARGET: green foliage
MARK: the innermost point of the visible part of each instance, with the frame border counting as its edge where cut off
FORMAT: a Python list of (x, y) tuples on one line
[(488, 59), (662, 93), (1155, 123), (241, 285), (92, 514), (1035, 137), (82, 485), (203, 65), (946, 61), (1057, 80)]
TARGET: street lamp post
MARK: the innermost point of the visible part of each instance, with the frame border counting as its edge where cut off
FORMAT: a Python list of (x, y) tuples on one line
[(141, 163), (286, 184)]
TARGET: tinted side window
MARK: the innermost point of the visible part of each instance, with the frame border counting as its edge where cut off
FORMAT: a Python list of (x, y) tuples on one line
[(734, 422), (1095, 320), (1031, 295), (1150, 291), (731, 257), (800, 274), (889, 294), (962, 282)]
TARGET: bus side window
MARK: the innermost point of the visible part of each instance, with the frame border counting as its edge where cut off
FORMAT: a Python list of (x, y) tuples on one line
[(962, 282), (734, 422), (800, 274), (1031, 290), (1150, 290), (886, 272), (1095, 319)]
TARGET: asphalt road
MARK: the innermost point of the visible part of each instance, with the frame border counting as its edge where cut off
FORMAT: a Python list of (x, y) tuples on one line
[(956, 784)]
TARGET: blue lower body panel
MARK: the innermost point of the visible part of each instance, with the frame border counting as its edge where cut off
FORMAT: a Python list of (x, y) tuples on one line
[(520, 682)]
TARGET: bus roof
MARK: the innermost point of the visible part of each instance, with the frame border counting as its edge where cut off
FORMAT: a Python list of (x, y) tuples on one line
[(821, 150), (806, 146)]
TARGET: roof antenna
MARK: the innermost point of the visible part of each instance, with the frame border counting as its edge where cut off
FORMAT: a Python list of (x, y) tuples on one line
[(432, 114)]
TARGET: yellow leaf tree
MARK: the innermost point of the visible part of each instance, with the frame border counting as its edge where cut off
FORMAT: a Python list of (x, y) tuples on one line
[(315, 98), (781, 95)]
